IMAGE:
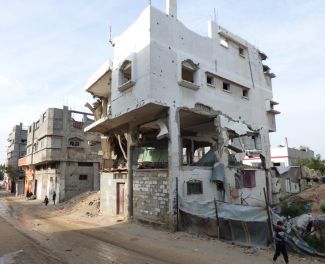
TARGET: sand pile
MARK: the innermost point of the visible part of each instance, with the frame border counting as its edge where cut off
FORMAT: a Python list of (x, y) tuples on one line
[(85, 204)]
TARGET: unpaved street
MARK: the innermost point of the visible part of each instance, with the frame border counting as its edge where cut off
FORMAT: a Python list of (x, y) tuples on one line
[(33, 233)]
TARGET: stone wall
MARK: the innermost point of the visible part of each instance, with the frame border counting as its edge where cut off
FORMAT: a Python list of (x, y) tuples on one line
[(151, 195)]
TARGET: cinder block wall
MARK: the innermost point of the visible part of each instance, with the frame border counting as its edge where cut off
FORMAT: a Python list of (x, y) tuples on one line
[(151, 195)]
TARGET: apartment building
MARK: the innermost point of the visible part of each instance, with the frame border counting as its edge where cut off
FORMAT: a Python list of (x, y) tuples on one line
[(284, 156), (178, 112), (16, 148), (60, 156)]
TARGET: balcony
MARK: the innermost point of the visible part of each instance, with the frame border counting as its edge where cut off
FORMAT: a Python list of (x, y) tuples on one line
[(99, 84)]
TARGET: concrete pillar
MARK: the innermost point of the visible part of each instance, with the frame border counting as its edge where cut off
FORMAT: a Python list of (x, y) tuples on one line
[(265, 139), (173, 164), (213, 30), (96, 176), (171, 8), (61, 181), (131, 163)]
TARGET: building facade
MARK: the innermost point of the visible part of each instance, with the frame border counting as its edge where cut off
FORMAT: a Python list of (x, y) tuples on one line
[(178, 112), (16, 148), (60, 156), (284, 156)]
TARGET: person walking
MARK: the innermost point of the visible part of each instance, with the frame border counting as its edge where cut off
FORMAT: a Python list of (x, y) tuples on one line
[(280, 242), (54, 197), (46, 200)]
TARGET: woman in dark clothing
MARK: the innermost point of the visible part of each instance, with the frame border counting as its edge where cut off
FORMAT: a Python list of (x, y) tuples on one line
[(280, 243)]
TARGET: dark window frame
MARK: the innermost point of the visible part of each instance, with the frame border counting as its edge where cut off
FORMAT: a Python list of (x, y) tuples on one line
[(249, 179), (226, 87), (194, 187)]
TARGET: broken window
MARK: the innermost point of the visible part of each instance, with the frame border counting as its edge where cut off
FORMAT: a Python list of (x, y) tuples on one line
[(194, 187), (224, 42), (126, 72), (83, 177), (226, 87), (189, 71), (249, 179)]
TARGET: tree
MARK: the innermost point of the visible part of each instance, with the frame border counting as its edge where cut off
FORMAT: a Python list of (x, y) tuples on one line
[(2, 171), (13, 174), (313, 163)]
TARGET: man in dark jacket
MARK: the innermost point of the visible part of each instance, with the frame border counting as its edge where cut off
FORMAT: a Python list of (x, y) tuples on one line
[(54, 197), (280, 243)]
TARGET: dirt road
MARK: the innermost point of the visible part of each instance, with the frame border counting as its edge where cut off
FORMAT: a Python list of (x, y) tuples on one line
[(33, 233)]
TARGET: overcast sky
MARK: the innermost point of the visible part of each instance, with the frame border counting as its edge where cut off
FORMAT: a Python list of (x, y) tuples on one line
[(49, 48)]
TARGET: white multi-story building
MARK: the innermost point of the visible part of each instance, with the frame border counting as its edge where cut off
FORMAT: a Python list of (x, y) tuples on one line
[(178, 113), (284, 156)]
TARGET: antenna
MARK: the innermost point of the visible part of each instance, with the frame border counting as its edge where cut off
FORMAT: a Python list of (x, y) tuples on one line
[(150, 2), (110, 37)]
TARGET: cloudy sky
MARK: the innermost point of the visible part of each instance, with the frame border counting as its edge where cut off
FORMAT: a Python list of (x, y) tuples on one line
[(49, 48)]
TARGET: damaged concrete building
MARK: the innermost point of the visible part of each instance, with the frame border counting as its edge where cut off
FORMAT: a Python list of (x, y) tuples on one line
[(60, 156), (178, 112), (16, 149)]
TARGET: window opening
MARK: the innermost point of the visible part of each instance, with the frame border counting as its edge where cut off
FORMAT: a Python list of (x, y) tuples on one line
[(189, 70), (241, 52), (210, 80), (226, 87), (249, 179), (83, 177), (126, 71), (194, 187), (75, 142), (187, 75), (85, 164), (37, 125), (245, 93)]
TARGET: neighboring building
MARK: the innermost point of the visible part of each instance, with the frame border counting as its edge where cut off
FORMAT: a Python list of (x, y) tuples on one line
[(16, 149), (60, 156), (178, 112), (283, 156)]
